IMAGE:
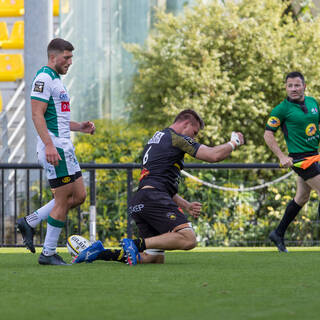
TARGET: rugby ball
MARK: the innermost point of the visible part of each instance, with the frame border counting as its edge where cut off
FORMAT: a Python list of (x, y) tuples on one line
[(76, 244)]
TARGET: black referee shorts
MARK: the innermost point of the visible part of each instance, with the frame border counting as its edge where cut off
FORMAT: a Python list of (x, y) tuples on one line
[(308, 173), (155, 213)]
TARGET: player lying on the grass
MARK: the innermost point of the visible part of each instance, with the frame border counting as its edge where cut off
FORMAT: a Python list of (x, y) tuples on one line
[(155, 206)]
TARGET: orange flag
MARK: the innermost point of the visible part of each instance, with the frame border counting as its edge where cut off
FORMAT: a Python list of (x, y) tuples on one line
[(306, 162)]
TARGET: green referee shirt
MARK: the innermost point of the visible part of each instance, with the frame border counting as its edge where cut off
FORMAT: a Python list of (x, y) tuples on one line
[(301, 130)]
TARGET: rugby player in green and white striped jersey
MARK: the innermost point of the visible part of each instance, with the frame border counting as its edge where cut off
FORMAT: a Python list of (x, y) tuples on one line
[(50, 104)]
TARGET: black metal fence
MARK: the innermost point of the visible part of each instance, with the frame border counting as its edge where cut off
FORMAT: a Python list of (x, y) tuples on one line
[(30, 168), (10, 184)]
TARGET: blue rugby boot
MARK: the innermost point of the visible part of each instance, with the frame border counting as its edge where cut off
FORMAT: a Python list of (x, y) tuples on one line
[(90, 254), (131, 251)]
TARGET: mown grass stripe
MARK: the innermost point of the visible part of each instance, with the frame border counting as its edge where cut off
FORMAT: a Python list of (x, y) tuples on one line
[(205, 249)]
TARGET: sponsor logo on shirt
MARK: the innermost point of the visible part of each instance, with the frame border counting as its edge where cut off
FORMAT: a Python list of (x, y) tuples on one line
[(315, 137), (273, 122), (65, 106), (144, 173), (156, 137), (311, 130), (64, 96), (38, 86), (314, 110)]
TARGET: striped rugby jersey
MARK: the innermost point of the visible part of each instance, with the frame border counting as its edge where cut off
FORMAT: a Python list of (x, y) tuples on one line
[(48, 87)]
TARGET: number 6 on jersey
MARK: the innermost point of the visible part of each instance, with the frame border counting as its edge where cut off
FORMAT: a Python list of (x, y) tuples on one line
[(146, 156)]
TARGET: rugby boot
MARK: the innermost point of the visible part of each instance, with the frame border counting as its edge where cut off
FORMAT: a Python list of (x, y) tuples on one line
[(90, 254), (27, 233), (54, 260), (131, 251), (278, 241)]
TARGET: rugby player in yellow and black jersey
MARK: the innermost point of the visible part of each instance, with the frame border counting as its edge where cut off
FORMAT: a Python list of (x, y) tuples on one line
[(156, 205)]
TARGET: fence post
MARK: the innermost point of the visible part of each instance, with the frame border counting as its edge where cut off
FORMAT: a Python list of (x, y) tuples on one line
[(129, 194), (28, 191), (15, 204), (2, 207), (40, 203), (92, 217), (318, 225)]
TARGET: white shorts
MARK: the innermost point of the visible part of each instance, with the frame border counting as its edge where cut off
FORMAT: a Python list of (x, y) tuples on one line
[(68, 165)]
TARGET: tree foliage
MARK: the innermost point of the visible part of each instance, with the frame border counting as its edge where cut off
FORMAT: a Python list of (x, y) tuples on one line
[(228, 62), (228, 218), (113, 142), (301, 9)]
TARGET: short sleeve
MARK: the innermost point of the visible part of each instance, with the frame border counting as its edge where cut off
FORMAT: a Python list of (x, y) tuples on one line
[(276, 118), (41, 87), (317, 104), (185, 143)]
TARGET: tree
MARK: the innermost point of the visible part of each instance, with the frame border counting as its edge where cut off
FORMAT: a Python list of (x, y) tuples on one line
[(306, 9), (113, 142), (228, 62)]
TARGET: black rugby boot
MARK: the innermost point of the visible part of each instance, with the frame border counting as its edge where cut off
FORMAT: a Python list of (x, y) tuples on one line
[(27, 233), (54, 260), (278, 241)]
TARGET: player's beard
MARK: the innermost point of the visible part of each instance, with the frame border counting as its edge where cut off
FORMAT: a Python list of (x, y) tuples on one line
[(299, 96), (60, 70)]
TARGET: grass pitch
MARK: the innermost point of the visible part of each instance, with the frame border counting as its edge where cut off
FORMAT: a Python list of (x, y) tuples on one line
[(222, 283)]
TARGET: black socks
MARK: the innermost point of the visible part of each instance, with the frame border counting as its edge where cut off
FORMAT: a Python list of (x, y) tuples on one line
[(140, 244), (112, 255), (291, 212), (118, 254)]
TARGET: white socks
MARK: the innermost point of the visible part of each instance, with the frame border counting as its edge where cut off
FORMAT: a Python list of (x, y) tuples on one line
[(42, 213), (54, 228)]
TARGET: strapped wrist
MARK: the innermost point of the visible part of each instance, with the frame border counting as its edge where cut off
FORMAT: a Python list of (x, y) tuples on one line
[(235, 138), (232, 145)]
